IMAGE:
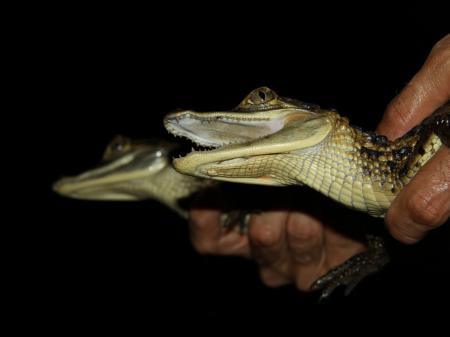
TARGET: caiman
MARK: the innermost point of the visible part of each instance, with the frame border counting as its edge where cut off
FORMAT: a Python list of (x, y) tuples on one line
[(134, 170), (272, 140)]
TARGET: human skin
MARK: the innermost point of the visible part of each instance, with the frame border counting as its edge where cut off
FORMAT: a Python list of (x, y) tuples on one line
[(424, 204), (295, 247)]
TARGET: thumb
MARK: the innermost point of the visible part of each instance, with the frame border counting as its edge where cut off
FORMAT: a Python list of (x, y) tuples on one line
[(427, 90), (424, 203)]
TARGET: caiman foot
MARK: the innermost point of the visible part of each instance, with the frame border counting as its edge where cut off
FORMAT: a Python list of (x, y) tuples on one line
[(355, 269), (236, 218)]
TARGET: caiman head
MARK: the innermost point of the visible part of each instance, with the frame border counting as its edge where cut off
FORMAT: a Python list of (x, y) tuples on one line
[(125, 173), (261, 125)]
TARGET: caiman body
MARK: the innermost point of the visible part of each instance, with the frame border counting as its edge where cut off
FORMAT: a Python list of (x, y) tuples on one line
[(271, 140)]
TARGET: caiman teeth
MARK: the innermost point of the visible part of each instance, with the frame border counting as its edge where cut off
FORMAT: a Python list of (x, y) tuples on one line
[(217, 118), (172, 126), (177, 134)]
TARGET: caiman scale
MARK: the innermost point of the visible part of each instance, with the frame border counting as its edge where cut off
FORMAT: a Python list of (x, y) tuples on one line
[(271, 140)]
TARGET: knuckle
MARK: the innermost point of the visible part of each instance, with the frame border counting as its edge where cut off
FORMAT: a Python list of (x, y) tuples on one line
[(423, 210), (265, 236), (302, 284), (201, 221), (270, 279), (441, 46), (404, 235), (442, 58), (302, 232), (203, 247)]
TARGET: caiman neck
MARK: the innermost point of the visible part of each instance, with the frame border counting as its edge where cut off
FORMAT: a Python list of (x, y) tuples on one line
[(171, 187)]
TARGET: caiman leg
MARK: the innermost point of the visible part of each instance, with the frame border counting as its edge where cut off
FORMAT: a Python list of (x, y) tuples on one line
[(355, 269), (235, 218)]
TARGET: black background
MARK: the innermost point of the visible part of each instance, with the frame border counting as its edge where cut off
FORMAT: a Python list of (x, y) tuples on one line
[(98, 72)]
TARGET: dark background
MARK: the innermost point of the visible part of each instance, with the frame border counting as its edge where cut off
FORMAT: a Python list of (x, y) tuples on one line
[(98, 72)]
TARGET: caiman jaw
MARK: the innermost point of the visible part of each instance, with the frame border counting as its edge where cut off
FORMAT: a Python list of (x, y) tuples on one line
[(243, 137), (217, 129), (94, 185), (113, 180)]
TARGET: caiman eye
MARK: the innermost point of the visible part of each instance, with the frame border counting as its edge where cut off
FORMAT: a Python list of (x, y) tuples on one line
[(116, 147), (119, 143), (259, 99), (261, 96)]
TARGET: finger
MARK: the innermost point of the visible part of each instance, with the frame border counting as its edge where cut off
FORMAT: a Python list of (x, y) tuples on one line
[(424, 203), (272, 278), (205, 230), (266, 237), (427, 90), (305, 239), (306, 248), (208, 237)]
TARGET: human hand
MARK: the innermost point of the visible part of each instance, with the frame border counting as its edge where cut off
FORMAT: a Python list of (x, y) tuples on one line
[(424, 204), (295, 247), (289, 246)]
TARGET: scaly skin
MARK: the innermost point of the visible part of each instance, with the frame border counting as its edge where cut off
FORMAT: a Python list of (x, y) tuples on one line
[(270, 140)]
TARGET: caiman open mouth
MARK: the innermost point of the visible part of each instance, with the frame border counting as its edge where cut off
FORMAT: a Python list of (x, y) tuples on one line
[(217, 131), (213, 130), (238, 137)]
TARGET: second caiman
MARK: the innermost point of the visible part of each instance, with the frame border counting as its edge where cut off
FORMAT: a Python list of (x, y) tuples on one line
[(133, 170)]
